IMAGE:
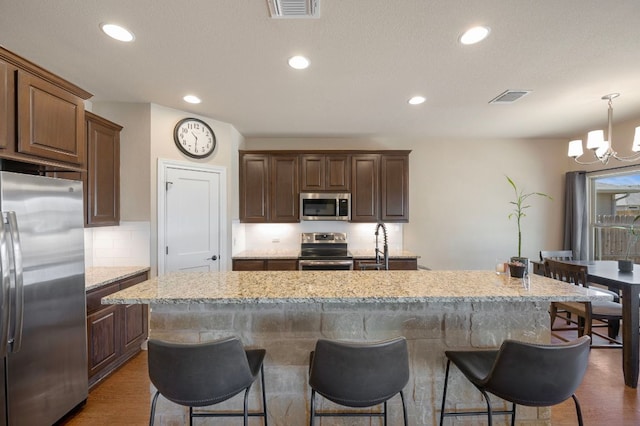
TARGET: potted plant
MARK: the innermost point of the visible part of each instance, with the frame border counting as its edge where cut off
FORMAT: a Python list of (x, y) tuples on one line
[(626, 264), (518, 264)]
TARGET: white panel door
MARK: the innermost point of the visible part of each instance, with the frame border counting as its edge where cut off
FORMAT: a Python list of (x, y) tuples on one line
[(192, 218)]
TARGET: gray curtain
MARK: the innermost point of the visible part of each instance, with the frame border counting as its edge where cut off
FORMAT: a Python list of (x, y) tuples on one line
[(576, 215)]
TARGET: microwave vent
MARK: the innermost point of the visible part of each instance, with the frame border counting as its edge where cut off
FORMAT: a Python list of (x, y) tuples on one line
[(280, 9)]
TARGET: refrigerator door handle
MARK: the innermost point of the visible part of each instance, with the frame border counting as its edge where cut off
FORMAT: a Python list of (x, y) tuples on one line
[(5, 307), (16, 341)]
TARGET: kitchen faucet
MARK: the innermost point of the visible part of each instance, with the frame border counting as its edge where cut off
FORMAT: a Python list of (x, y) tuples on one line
[(385, 253)]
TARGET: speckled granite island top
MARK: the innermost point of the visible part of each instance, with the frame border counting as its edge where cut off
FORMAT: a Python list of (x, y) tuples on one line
[(98, 276), (345, 287)]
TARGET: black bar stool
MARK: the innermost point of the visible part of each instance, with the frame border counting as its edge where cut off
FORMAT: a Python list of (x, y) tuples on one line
[(358, 375), (522, 373), (202, 374)]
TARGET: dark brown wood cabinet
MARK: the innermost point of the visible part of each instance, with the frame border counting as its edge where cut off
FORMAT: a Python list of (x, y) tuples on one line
[(395, 264), (365, 181), (271, 182), (380, 188), (102, 183), (254, 187), (265, 264), (394, 183), (331, 172), (7, 106), (114, 332), (284, 205), (269, 187), (42, 116)]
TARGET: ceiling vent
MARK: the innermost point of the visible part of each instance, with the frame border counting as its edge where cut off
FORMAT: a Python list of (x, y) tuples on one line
[(509, 96), (294, 8)]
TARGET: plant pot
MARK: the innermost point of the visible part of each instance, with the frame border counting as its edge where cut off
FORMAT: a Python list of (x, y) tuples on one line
[(516, 268), (517, 271), (625, 265)]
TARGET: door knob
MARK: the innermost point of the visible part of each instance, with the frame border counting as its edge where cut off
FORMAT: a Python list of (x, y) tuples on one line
[(214, 257)]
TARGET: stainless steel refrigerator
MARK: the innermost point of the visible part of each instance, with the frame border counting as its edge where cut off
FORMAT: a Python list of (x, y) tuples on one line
[(42, 302)]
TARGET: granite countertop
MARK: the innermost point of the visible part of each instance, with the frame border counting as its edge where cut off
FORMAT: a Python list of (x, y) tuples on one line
[(294, 254), (98, 276), (346, 287)]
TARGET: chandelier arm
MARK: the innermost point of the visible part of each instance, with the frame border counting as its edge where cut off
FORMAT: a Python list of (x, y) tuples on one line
[(628, 158), (588, 163)]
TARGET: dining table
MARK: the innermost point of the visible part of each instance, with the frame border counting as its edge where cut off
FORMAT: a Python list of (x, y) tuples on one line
[(606, 273)]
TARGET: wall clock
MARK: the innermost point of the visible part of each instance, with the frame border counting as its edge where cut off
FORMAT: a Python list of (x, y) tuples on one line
[(194, 138)]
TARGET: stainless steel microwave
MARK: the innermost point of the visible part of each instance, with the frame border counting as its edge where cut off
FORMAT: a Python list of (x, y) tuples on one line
[(325, 206)]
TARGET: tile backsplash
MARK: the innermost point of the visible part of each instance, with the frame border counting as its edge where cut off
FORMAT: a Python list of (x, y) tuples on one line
[(124, 245), (286, 236)]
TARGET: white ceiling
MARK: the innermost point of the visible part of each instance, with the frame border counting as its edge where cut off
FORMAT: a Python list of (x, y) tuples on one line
[(367, 58)]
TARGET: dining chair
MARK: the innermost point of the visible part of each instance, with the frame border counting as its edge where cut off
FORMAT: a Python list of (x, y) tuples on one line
[(604, 313), (358, 375), (556, 255), (203, 374), (528, 374)]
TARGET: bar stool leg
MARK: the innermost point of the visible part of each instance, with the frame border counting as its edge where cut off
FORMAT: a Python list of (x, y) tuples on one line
[(444, 393)]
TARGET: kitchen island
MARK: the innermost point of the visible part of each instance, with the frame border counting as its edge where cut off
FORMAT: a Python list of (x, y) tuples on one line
[(286, 312)]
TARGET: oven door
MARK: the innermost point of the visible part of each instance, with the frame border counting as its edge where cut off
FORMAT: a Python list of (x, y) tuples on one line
[(325, 265)]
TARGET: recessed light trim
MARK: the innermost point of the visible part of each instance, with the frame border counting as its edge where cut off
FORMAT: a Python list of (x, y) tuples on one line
[(299, 62), (474, 35), (117, 32), (417, 100), (192, 99)]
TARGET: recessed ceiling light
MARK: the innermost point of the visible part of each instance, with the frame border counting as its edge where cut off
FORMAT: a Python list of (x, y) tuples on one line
[(475, 35), (298, 62), (417, 100), (117, 32), (192, 99)]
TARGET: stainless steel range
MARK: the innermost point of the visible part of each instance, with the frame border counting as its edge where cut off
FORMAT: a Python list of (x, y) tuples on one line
[(324, 251)]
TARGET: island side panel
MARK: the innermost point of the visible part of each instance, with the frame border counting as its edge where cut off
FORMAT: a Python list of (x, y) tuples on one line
[(289, 331)]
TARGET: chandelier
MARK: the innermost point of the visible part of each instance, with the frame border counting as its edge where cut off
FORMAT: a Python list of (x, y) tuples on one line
[(603, 149)]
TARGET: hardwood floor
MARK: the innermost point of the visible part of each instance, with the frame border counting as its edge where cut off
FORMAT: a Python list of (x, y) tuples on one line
[(121, 399), (124, 399)]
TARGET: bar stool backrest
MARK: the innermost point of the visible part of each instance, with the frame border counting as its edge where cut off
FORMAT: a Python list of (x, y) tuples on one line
[(359, 374), (538, 375), (201, 374)]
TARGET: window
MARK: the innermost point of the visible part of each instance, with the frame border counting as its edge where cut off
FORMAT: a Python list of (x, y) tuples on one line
[(614, 203)]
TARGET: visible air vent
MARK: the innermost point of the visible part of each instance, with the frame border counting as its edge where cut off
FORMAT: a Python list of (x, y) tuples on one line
[(294, 8), (509, 96)]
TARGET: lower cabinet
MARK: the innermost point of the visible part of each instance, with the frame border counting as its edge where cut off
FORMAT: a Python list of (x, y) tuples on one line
[(395, 264), (265, 265), (115, 333)]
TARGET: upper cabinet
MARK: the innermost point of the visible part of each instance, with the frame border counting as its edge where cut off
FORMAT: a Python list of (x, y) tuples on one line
[(271, 182), (394, 183), (102, 186), (48, 112), (380, 187), (7, 105), (320, 172), (365, 184), (284, 192), (254, 187), (269, 189)]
